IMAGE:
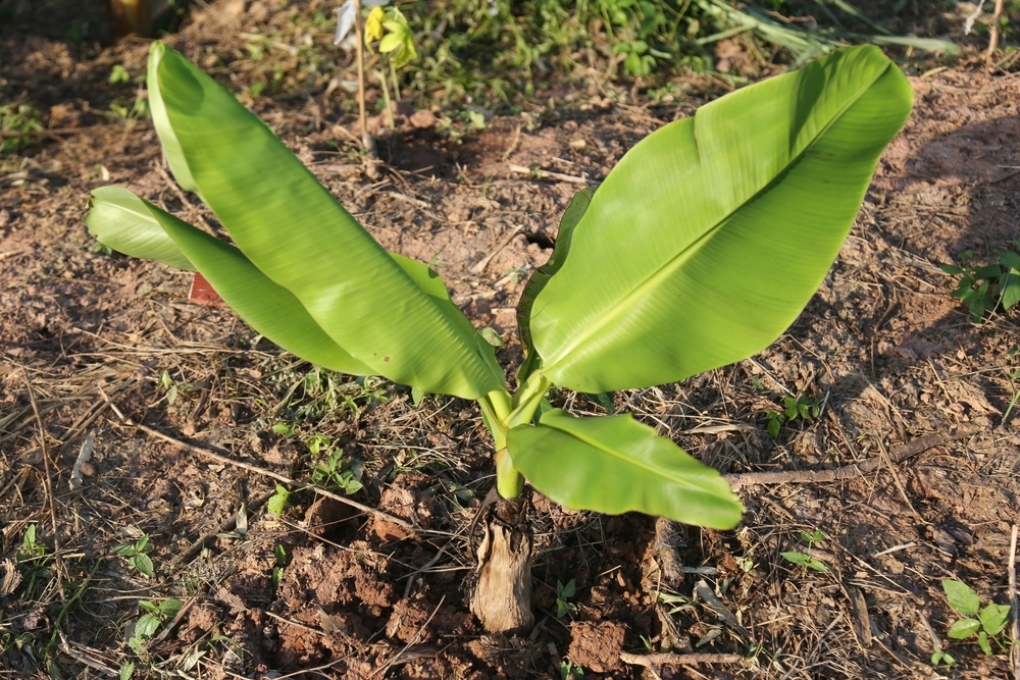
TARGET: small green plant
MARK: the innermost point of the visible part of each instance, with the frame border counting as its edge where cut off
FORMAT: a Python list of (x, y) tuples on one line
[(119, 74), (563, 594), (169, 386), (334, 472), (396, 45), (17, 123), (666, 271), (154, 616), (331, 470), (278, 501), (987, 623), (122, 109), (31, 549), (804, 560), (280, 553), (985, 288), (32, 558), (569, 671), (802, 406), (137, 554)]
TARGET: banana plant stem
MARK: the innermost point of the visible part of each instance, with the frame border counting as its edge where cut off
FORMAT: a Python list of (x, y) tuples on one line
[(360, 58), (386, 99), (509, 482)]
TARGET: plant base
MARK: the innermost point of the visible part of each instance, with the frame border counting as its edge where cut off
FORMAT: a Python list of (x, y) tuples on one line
[(502, 595)]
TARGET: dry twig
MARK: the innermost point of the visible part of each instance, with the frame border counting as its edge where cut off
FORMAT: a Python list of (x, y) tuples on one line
[(47, 482), (670, 659), (993, 39), (539, 173), (1014, 649), (897, 455)]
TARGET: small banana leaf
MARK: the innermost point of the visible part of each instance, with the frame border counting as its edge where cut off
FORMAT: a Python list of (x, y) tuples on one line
[(615, 465), (130, 225)]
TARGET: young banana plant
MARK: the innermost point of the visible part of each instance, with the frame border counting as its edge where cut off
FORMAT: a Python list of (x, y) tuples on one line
[(700, 248)]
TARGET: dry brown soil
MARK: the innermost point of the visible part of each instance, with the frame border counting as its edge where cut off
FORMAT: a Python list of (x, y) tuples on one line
[(86, 338)]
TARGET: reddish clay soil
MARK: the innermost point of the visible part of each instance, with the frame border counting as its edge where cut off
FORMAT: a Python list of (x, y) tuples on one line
[(90, 343)]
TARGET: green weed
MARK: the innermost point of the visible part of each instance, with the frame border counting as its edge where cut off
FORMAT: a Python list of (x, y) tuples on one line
[(137, 554), (32, 558), (804, 560), (17, 123), (149, 623), (563, 594), (122, 108), (801, 407), (569, 671), (985, 288), (280, 553), (278, 501), (987, 624), (333, 472)]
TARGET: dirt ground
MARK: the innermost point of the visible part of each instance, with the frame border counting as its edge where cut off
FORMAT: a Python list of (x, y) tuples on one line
[(177, 403)]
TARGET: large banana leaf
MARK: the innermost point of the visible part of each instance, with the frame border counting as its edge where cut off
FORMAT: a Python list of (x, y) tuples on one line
[(130, 225), (615, 465), (295, 232), (706, 241)]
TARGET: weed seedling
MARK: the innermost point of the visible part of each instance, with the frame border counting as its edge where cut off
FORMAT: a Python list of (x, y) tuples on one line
[(988, 623), (17, 123), (137, 554), (803, 407), (569, 671), (281, 562), (334, 472), (148, 623), (278, 501), (803, 559), (985, 288), (563, 594), (32, 558)]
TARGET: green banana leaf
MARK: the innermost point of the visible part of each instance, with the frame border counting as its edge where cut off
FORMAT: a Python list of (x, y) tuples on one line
[(615, 465), (710, 236), (295, 232), (122, 221), (135, 227), (536, 282), (128, 224)]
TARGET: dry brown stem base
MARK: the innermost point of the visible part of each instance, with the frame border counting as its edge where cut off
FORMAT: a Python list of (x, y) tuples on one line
[(502, 596)]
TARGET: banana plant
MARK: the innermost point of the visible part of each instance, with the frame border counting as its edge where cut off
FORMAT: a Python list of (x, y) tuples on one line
[(698, 250)]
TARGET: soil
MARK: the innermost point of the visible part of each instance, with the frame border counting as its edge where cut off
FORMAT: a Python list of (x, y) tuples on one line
[(107, 352)]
